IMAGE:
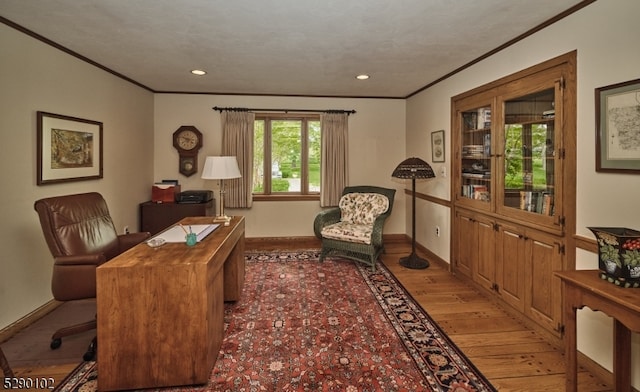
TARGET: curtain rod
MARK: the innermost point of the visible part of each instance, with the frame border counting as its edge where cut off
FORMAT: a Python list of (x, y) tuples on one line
[(282, 110)]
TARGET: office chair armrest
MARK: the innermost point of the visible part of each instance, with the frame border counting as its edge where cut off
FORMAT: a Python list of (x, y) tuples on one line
[(127, 241), (92, 259)]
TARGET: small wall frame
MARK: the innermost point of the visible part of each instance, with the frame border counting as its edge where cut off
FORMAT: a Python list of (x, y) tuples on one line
[(437, 146)]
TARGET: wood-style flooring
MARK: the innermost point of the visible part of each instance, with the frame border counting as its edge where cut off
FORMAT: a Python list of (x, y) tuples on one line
[(508, 352)]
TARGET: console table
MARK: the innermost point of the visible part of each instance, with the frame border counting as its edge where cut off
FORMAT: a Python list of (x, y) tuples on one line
[(585, 288), (160, 311)]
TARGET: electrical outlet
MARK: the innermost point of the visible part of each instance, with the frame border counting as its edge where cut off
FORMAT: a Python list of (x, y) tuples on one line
[(437, 231), (126, 230)]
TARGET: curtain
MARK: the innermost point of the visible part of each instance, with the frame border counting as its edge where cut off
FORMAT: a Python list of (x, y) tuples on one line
[(334, 152), (237, 140)]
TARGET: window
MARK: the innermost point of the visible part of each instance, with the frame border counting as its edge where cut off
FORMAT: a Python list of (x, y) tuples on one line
[(286, 157)]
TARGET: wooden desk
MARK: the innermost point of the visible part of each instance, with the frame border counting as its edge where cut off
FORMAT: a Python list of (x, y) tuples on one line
[(161, 310), (585, 288)]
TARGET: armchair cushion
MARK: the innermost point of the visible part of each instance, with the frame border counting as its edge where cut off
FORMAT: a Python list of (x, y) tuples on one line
[(350, 232), (362, 208), (358, 212)]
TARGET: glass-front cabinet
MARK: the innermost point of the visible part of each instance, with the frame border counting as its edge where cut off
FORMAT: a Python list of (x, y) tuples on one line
[(474, 163), (513, 187), (529, 162), (507, 153)]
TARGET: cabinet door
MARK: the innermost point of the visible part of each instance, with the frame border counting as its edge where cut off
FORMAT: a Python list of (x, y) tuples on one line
[(472, 150), (529, 164), (544, 256), (510, 271), (484, 268), (466, 243)]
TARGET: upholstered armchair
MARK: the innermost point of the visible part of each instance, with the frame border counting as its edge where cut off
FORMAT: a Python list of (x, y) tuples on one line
[(81, 235), (354, 229)]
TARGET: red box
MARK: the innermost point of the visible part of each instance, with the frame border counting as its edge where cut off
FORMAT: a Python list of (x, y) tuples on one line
[(161, 193)]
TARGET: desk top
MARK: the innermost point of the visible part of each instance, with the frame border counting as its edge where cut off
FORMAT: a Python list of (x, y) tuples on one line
[(590, 281), (170, 254)]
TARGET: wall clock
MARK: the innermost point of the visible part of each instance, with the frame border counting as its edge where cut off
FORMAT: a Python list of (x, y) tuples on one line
[(188, 141)]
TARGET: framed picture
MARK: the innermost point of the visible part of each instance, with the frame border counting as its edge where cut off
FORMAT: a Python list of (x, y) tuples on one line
[(69, 149), (618, 128), (437, 146)]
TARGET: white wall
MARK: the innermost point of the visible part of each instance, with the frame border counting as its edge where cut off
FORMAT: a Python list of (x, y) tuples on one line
[(605, 35), (376, 146), (33, 77)]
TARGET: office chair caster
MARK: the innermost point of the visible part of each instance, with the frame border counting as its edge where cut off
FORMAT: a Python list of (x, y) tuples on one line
[(91, 351), (55, 343)]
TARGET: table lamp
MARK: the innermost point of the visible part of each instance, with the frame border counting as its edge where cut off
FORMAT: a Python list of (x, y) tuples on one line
[(221, 168), (413, 168)]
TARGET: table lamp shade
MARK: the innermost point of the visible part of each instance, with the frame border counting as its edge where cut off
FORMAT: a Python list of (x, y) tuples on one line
[(220, 168)]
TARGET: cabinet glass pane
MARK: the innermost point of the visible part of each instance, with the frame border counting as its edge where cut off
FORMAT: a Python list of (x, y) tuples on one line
[(529, 152), (476, 154)]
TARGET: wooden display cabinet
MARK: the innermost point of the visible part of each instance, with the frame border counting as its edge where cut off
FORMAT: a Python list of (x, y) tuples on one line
[(513, 187)]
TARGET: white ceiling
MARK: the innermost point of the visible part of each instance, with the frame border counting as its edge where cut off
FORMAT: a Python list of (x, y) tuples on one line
[(282, 47)]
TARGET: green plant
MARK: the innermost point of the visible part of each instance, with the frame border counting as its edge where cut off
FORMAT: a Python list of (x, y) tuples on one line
[(279, 185)]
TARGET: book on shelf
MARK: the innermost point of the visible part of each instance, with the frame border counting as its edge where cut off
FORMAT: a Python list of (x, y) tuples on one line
[(536, 201), (476, 191)]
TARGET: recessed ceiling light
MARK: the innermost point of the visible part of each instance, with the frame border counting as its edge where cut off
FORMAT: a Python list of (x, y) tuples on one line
[(362, 77), (198, 72)]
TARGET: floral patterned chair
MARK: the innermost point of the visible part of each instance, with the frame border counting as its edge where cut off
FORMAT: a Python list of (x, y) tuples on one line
[(354, 229)]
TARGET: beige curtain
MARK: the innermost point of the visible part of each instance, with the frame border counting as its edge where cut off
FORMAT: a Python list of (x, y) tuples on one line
[(335, 148), (237, 140)]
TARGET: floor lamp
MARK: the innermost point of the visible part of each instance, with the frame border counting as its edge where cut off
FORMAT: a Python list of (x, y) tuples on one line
[(221, 168), (413, 168)]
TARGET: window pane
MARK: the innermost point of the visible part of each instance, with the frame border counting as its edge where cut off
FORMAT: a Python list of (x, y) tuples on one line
[(286, 155), (314, 156), (258, 157)]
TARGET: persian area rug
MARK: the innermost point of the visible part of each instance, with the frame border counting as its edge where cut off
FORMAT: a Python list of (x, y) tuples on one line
[(302, 325)]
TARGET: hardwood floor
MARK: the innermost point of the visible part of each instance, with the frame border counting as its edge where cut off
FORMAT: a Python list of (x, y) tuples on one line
[(511, 355)]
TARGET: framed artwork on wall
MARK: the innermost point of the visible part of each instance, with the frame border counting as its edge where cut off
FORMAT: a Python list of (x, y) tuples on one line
[(69, 149), (437, 146), (618, 128)]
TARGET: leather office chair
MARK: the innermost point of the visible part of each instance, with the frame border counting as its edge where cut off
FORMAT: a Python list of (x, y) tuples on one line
[(81, 235)]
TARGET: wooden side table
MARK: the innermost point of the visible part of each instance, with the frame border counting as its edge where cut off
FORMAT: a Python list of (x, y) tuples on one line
[(585, 288)]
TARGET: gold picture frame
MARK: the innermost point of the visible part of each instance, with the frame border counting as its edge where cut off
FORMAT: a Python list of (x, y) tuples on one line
[(69, 149)]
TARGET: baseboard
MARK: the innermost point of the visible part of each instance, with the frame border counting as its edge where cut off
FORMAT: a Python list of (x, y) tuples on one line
[(9, 331), (308, 242), (304, 242)]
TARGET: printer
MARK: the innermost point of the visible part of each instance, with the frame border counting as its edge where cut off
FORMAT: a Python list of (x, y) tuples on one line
[(195, 196)]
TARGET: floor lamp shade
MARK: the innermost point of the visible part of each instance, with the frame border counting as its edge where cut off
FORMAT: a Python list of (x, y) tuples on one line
[(221, 168), (413, 168)]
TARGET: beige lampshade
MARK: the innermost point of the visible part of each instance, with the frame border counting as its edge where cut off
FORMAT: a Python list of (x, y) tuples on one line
[(220, 168)]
